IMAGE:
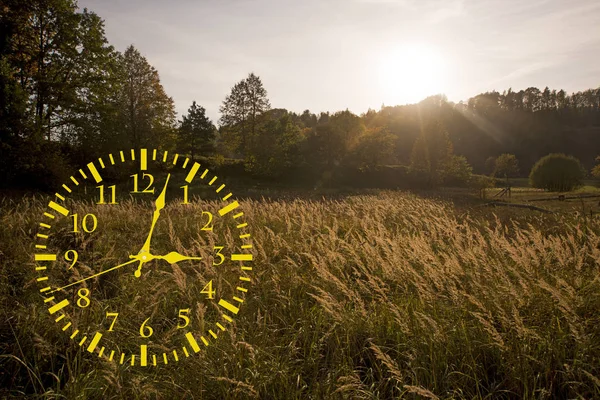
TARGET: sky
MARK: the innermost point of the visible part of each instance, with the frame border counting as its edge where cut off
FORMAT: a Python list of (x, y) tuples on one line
[(331, 55)]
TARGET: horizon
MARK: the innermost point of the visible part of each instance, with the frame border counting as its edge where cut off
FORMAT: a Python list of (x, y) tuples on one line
[(296, 49)]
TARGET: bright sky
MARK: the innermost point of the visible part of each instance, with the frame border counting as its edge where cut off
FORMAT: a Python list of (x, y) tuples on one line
[(329, 55)]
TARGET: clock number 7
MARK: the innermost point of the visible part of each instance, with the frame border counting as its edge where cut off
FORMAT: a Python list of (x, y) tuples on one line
[(112, 324)]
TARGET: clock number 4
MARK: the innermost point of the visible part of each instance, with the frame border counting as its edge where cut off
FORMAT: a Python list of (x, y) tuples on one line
[(144, 176), (208, 290)]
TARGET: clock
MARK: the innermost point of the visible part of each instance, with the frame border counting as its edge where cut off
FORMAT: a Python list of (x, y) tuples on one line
[(135, 266)]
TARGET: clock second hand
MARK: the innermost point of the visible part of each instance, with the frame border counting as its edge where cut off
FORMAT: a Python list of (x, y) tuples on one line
[(93, 276)]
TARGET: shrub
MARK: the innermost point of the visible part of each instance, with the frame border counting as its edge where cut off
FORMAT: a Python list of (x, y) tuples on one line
[(557, 173)]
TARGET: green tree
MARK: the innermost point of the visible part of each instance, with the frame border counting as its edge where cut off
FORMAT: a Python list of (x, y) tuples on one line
[(241, 111), (197, 132), (375, 147), (432, 151), (276, 148), (506, 166), (147, 113), (557, 172), (596, 169)]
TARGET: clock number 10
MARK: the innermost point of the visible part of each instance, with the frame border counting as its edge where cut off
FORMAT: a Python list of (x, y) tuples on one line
[(89, 223)]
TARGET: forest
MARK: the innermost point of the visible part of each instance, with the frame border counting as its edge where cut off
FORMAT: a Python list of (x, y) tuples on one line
[(67, 95)]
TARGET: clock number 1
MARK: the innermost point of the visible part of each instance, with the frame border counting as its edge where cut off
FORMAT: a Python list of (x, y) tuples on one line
[(185, 194)]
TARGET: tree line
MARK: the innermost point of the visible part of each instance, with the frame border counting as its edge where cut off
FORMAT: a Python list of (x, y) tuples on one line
[(68, 96)]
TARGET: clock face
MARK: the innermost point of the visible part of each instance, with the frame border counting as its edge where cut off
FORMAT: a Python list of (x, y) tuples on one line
[(134, 266)]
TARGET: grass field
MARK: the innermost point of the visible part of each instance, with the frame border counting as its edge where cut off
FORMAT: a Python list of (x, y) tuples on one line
[(377, 296)]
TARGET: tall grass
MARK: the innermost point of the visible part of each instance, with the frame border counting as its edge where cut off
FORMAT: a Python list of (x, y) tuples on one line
[(371, 297)]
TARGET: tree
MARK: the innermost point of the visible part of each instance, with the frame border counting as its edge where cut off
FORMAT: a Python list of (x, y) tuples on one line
[(431, 152), (596, 169), (147, 113), (557, 172), (196, 132), (240, 113), (276, 148), (507, 166), (376, 147)]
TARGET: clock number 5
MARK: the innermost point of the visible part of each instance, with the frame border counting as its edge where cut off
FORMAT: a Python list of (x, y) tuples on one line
[(185, 318), (145, 330)]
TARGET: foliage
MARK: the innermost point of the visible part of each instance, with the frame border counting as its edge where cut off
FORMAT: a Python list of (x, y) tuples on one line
[(432, 153), (506, 166), (241, 111), (557, 173), (596, 169), (457, 171), (197, 134), (379, 296)]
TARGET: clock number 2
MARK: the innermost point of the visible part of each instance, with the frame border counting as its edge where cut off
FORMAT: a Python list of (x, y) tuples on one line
[(208, 226)]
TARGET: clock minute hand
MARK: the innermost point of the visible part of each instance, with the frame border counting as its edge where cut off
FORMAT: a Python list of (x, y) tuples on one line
[(159, 204)]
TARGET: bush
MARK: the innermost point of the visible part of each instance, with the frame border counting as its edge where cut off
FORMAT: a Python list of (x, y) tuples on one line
[(457, 172), (557, 173)]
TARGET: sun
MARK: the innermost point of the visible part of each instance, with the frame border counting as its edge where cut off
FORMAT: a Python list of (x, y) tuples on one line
[(411, 72)]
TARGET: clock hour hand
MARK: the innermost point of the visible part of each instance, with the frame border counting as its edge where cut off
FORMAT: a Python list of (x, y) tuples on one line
[(159, 204), (174, 257), (93, 276)]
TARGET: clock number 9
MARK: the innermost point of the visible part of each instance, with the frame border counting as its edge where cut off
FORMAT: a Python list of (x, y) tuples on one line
[(85, 223), (72, 259), (145, 330), (83, 300)]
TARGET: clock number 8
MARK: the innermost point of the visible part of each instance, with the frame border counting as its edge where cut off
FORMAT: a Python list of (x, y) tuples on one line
[(83, 300)]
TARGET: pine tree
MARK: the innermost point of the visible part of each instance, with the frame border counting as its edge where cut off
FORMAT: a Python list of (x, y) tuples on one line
[(197, 132)]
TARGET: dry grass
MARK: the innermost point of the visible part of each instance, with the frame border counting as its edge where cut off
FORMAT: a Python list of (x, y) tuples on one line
[(375, 297)]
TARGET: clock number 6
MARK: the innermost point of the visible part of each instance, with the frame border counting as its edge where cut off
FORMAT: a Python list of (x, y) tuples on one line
[(145, 330)]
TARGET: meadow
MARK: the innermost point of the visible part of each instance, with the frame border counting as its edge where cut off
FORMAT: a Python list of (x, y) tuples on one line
[(374, 296)]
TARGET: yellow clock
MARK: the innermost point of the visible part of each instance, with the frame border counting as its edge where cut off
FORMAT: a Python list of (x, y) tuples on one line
[(135, 266)]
